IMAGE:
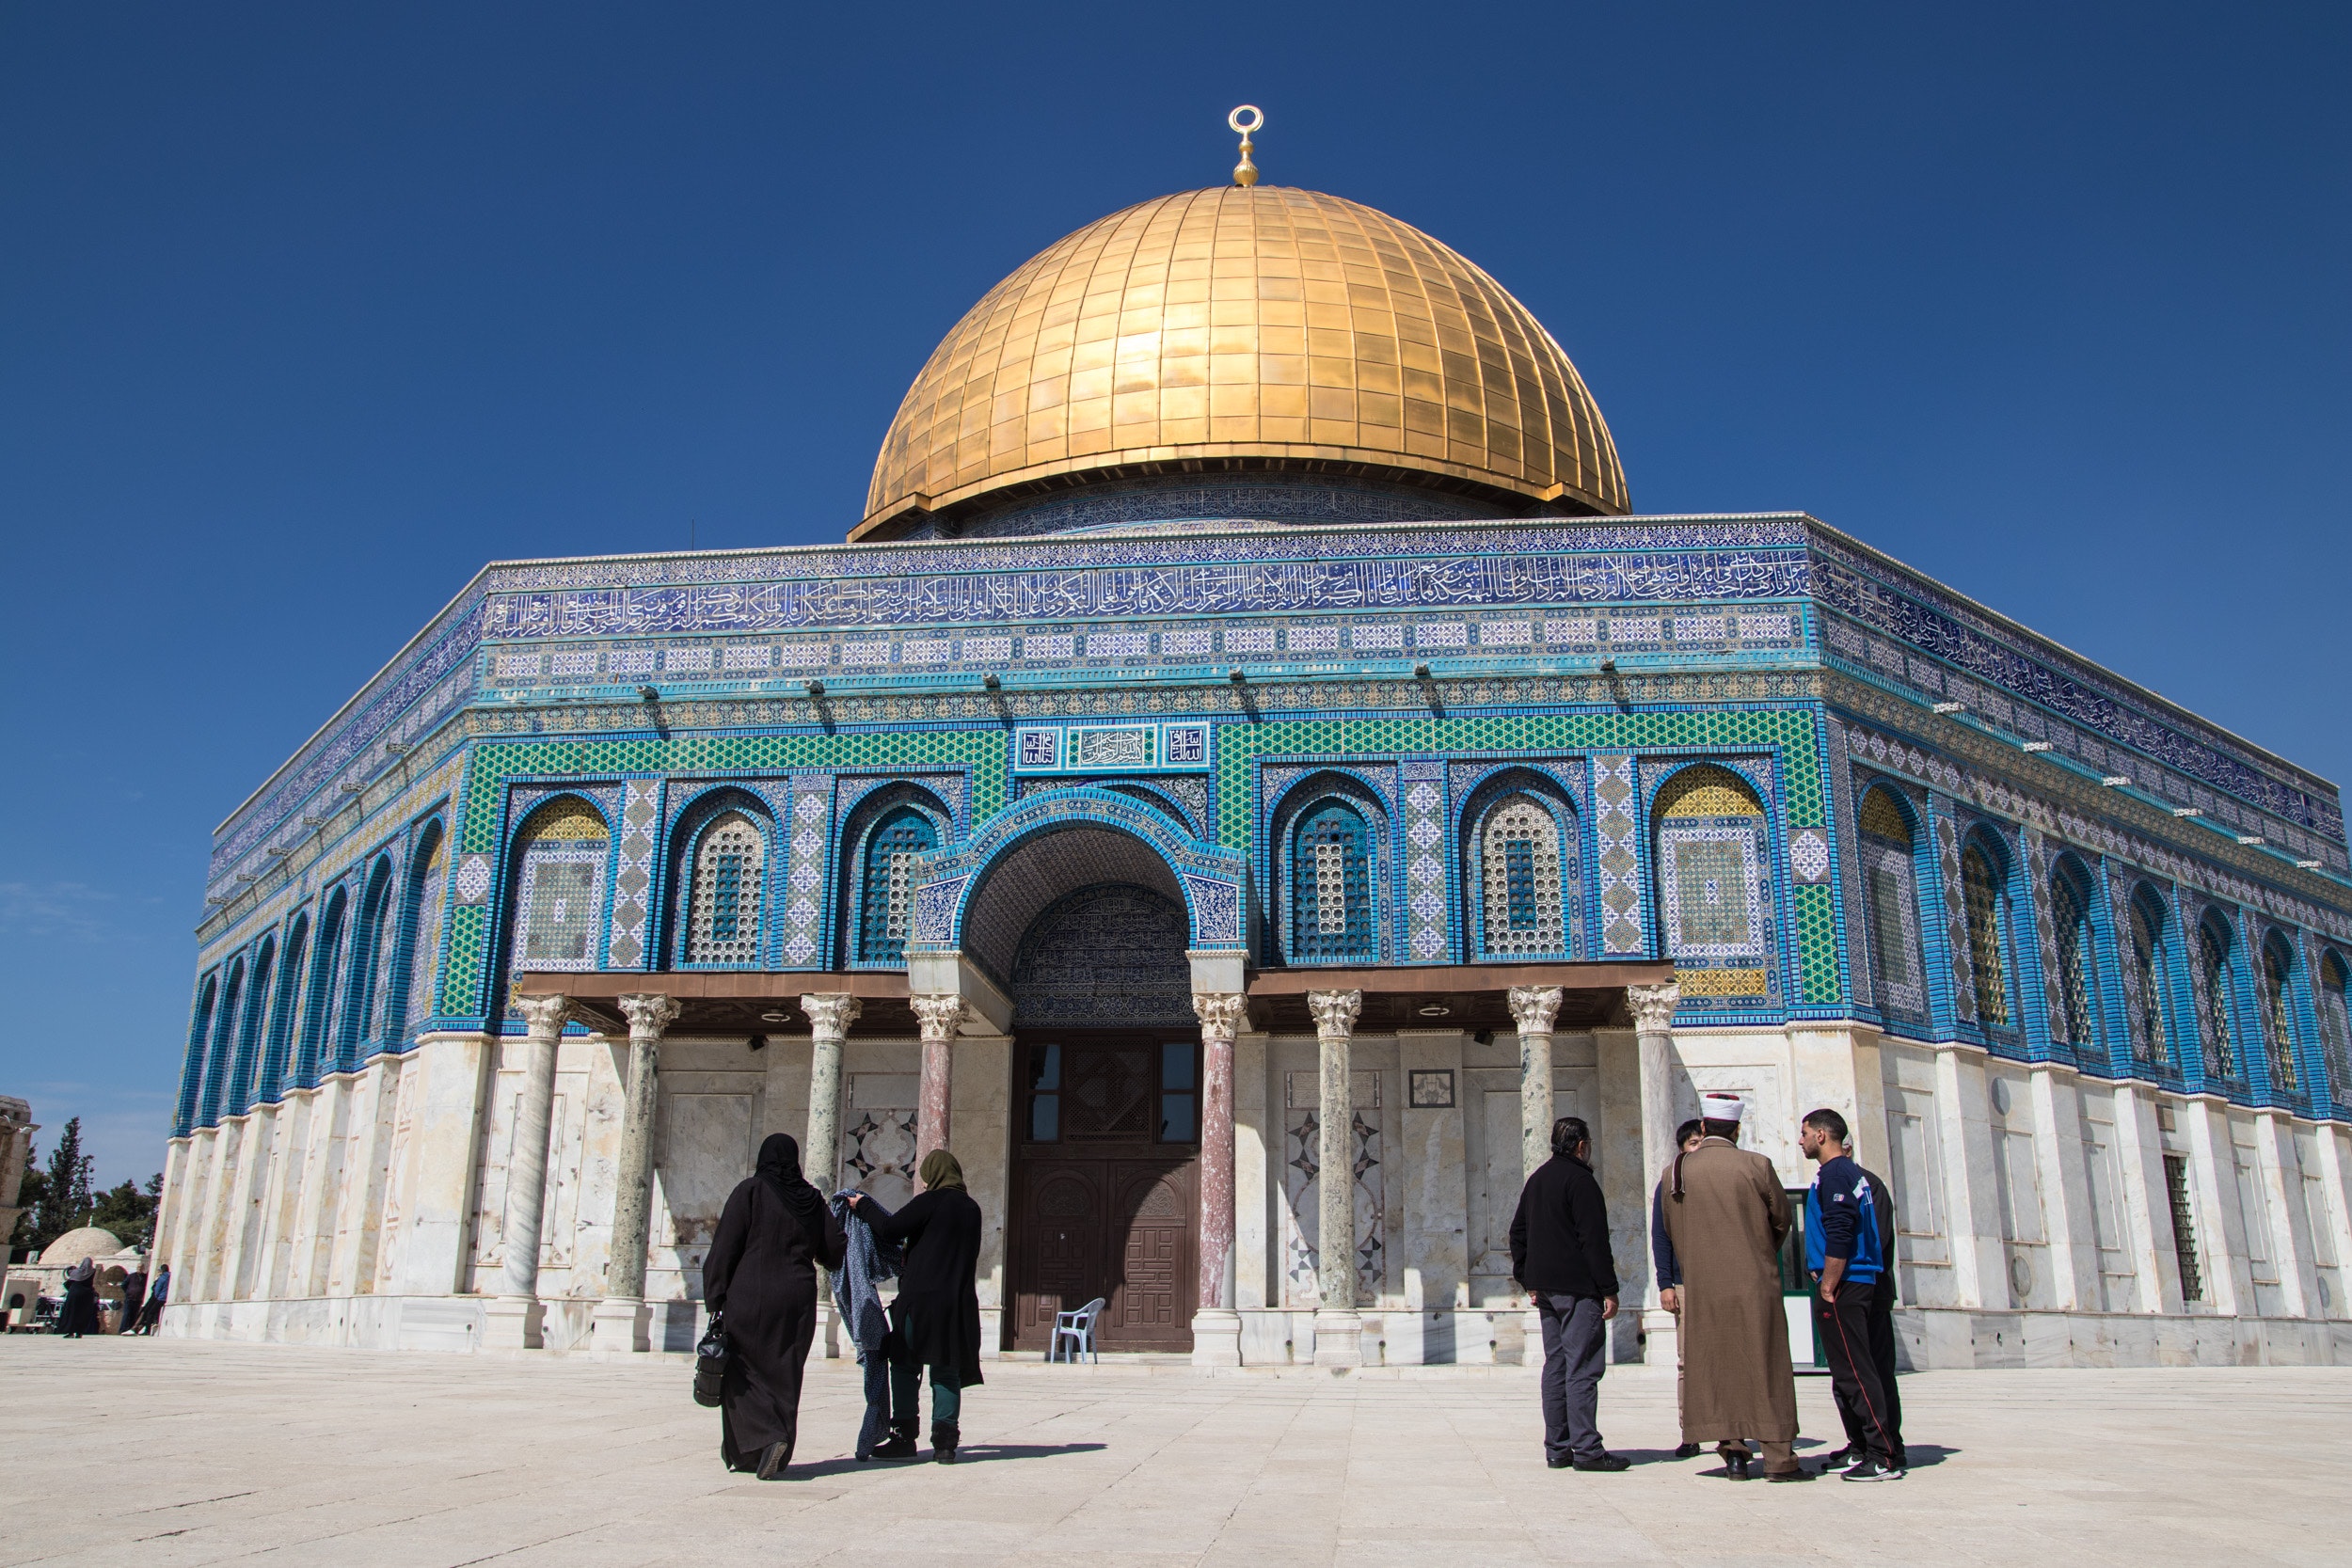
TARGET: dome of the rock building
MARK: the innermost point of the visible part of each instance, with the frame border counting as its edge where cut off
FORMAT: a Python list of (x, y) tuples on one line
[(1261, 331)]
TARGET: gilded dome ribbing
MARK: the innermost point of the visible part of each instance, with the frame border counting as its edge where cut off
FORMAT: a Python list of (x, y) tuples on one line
[(1281, 328)]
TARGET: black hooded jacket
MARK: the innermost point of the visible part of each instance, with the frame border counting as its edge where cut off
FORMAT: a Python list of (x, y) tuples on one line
[(1560, 1236)]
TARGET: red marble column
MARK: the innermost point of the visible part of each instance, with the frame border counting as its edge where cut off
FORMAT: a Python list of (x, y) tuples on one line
[(1220, 1015), (937, 1017)]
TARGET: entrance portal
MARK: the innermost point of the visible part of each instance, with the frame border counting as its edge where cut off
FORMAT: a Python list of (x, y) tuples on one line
[(1105, 1188)]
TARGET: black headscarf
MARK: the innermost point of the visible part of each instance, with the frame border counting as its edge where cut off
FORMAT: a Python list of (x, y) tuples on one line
[(780, 1167)]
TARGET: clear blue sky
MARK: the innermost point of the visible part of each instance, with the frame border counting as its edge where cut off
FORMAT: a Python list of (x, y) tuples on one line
[(306, 312)]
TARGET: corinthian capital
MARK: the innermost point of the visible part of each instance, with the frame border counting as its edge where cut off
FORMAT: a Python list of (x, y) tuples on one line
[(648, 1014), (831, 1013), (1653, 1006), (1534, 1007), (1335, 1012), (544, 1016), (1221, 1013), (937, 1016)]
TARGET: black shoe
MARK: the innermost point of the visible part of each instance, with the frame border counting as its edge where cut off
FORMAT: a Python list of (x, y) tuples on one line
[(771, 1462), (1736, 1462), (1687, 1450), (1869, 1470), (1604, 1462), (1799, 1473), (1842, 1458), (1557, 1462), (943, 1436), (900, 1444)]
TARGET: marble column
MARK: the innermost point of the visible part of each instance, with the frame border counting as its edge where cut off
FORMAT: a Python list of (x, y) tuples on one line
[(937, 1017), (1339, 1329), (1653, 1009), (512, 1321), (618, 1326), (1216, 1327), (830, 1015), (1533, 1009)]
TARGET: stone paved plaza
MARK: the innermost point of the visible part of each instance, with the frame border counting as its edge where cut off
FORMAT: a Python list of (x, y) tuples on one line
[(162, 1452)]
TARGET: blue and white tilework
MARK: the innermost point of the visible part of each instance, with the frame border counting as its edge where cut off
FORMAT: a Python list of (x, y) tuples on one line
[(1617, 857), (633, 871), (1428, 902), (805, 882)]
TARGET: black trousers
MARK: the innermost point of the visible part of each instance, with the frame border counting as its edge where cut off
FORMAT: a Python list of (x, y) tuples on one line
[(1883, 1355), (1857, 1380)]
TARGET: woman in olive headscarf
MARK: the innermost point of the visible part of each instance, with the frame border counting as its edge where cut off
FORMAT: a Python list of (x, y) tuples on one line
[(935, 1322), (761, 1273)]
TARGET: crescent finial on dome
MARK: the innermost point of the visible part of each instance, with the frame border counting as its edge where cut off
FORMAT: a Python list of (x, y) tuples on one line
[(1245, 172)]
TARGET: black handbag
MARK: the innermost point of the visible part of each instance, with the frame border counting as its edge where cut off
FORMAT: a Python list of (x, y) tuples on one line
[(710, 1362)]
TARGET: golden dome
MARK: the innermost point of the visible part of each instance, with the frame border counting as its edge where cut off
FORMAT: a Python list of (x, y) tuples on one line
[(1258, 327)]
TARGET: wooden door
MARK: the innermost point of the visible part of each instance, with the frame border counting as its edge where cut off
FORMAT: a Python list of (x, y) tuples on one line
[(1107, 1190)]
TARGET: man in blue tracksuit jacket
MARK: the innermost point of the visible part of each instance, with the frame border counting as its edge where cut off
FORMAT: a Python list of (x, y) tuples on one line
[(1845, 1244)]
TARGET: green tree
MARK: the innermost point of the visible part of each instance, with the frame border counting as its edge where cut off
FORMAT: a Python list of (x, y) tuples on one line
[(63, 1203), (129, 1212)]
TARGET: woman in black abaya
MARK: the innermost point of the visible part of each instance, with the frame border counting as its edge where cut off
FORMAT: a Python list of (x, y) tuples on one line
[(761, 1273), (79, 1315)]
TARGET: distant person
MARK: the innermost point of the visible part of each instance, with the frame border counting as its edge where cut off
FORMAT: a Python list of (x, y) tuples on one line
[(133, 1301), (158, 1295), (1560, 1255), (761, 1273), (1728, 1217), (1661, 1257), (79, 1314), (1845, 1251), (935, 1321)]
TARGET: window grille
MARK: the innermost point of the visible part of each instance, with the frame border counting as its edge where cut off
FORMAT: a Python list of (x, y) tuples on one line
[(2213, 949), (2184, 1227), (424, 950), (2155, 1043), (725, 924), (2335, 1028), (2071, 920), (1980, 890), (886, 913), (1522, 863), (2278, 1023), (1331, 892), (1891, 906), (560, 905)]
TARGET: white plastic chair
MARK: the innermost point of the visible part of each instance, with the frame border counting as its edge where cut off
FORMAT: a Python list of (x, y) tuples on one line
[(1078, 1329)]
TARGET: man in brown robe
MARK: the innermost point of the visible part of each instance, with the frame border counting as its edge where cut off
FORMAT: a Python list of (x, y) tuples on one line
[(1726, 1215)]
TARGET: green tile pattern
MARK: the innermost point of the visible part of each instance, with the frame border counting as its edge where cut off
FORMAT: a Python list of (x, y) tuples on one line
[(1793, 733), (495, 764)]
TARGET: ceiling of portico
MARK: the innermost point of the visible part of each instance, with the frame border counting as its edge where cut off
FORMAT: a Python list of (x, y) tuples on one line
[(1030, 878)]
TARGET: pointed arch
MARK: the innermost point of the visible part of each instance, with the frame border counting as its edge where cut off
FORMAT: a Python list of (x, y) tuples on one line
[(258, 988), (285, 1011), (318, 1004), (1991, 926), (224, 1036), (889, 832), (1889, 864), (1521, 868), (417, 955), (2076, 1019), (1329, 829), (720, 855), (361, 995), (2216, 993), (2335, 1024), (2278, 1014), (192, 1069), (1711, 850), (555, 915), (2152, 956)]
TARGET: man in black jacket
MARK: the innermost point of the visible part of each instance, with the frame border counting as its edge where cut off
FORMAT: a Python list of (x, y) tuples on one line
[(1560, 1255)]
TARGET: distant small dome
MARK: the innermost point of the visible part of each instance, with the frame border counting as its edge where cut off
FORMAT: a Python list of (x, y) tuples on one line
[(1245, 330), (75, 1246)]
